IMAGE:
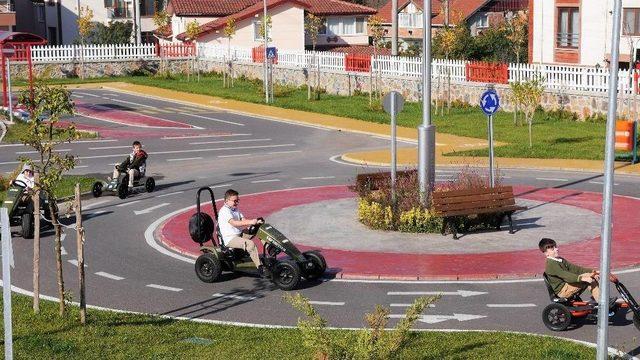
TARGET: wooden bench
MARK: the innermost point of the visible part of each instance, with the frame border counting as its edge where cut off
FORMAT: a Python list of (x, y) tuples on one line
[(497, 203)]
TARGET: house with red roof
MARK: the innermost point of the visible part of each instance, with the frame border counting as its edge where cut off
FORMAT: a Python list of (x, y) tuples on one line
[(478, 14), (345, 24)]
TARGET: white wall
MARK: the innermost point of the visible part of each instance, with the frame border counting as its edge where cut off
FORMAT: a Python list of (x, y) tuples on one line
[(179, 24)]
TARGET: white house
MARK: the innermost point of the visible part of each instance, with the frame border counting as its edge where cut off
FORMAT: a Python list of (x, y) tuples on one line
[(579, 31)]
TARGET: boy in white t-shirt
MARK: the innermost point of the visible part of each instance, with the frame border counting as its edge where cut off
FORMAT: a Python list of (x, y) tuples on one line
[(230, 219)]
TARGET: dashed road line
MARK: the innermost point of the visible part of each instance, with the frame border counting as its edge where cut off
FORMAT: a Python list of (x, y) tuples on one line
[(87, 94), (235, 155), (74, 262), (186, 159), (201, 136), (265, 181), (132, 103), (552, 179), (128, 203), (162, 287), (234, 297), (78, 96), (110, 147), (94, 204), (219, 186), (285, 152), (169, 194), (63, 251), (601, 183), (407, 305), (227, 141), (212, 119), (109, 276), (510, 305), (35, 152), (148, 210), (327, 303), (317, 177)]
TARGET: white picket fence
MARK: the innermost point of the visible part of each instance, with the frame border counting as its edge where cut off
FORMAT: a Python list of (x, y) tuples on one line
[(555, 77)]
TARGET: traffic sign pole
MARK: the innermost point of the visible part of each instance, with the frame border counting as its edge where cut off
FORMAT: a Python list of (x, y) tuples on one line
[(492, 177), (394, 150), (9, 90), (490, 103)]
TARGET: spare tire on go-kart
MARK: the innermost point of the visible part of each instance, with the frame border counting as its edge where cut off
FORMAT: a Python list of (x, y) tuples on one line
[(203, 233)]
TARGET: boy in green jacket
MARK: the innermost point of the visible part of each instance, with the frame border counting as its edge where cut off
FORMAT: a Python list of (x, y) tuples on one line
[(568, 279)]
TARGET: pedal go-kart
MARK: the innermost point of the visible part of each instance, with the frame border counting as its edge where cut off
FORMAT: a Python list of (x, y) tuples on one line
[(284, 271), (120, 185), (20, 207), (561, 313)]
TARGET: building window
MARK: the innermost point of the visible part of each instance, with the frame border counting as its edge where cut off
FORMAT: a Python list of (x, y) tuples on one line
[(40, 13), (257, 36), (631, 22), (483, 21), (360, 25), (568, 35), (346, 26), (323, 28), (148, 7)]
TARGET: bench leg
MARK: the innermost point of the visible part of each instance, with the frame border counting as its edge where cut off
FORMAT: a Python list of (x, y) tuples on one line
[(443, 231), (454, 230), (510, 223)]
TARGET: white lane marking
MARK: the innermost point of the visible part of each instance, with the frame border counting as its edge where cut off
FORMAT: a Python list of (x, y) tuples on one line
[(506, 177), (285, 152), (162, 287), (317, 177), (264, 181), (327, 303), (601, 183), (169, 194), (35, 152), (80, 166), (236, 155), (510, 305), (97, 213), (463, 293), (110, 147), (12, 145), (201, 136), (78, 96), (9, 162), (219, 186), (62, 237), (186, 159), (400, 140), (148, 210), (63, 251), (109, 276), (407, 305), (226, 141), (94, 204), (131, 103), (21, 291), (552, 179), (86, 94), (212, 119), (74, 262), (95, 141), (434, 319), (128, 203), (191, 151), (235, 297)]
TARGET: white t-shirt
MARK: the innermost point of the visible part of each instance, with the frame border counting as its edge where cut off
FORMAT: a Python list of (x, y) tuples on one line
[(29, 181), (227, 230)]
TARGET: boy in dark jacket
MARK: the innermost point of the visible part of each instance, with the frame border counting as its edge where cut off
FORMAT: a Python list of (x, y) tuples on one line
[(568, 279), (135, 164)]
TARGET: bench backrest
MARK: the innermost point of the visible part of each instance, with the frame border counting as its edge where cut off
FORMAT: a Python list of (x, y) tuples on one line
[(459, 202)]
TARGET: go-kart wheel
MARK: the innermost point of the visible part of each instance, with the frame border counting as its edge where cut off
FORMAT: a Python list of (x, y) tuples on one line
[(286, 275), (556, 317), (150, 184), (27, 226), (636, 321), (319, 265), (96, 190), (208, 268), (123, 188)]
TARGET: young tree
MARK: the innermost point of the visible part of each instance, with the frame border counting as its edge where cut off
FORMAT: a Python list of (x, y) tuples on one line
[(85, 26), (265, 31), (192, 32), (115, 33), (312, 26), (44, 136), (229, 32), (529, 95), (377, 35), (517, 33)]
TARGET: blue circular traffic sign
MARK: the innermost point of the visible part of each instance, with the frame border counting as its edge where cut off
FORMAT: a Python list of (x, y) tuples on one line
[(489, 102)]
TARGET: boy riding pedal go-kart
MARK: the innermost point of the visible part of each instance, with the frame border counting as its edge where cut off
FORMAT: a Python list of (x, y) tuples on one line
[(128, 175), (565, 283), (280, 260), (20, 203)]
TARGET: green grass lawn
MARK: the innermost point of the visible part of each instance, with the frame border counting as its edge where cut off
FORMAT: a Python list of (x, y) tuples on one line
[(109, 335), (552, 137), (15, 131)]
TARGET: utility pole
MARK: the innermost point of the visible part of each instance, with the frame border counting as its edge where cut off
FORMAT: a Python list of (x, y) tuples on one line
[(136, 21), (394, 27), (607, 196), (266, 43), (426, 131)]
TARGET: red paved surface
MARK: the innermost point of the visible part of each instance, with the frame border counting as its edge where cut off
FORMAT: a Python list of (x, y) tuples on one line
[(141, 133), (353, 264), (131, 118)]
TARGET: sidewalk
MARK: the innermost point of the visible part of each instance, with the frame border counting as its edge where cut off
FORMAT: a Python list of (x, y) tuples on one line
[(445, 143)]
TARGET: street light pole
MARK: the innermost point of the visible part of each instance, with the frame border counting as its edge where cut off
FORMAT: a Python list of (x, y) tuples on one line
[(607, 198), (426, 131), (266, 43), (394, 27), (136, 21)]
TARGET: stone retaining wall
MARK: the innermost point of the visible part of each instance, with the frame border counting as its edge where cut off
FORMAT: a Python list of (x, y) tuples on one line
[(338, 82)]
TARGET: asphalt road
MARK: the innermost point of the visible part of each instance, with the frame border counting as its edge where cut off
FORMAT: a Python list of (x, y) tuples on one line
[(255, 155)]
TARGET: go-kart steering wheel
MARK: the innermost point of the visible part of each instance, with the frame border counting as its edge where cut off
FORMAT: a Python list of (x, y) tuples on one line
[(253, 229), (19, 183)]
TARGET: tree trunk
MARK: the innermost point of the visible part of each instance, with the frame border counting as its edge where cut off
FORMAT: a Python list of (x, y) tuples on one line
[(530, 140), (58, 250), (515, 114), (80, 246), (317, 89), (36, 249), (224, 72)]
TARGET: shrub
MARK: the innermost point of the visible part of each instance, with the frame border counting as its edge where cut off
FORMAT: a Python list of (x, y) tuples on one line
[(419, 220), (375, 215)]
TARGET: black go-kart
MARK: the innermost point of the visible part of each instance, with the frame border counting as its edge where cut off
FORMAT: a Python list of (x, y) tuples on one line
[(562, 312), (20, 207), (284, 263), (120, 185)]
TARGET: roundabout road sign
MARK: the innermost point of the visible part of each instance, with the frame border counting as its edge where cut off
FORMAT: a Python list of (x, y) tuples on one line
[(489, 102)]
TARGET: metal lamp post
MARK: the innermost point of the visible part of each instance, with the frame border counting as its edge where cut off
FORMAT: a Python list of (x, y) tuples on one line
[(266, 44), (426, 131)]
